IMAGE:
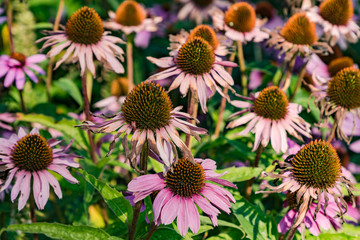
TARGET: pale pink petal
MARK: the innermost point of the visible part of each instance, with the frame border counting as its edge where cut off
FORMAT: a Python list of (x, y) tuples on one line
[(20, 79), (164, 62), (151, 182), (170, 210), (36, 188), (194, 217), (54, 183), (25, 191), (275, 137), (63, 172), (205, 205), (45, 189), (161, 199), (36, 58), (183, 217), (17, 186), (10, 77)]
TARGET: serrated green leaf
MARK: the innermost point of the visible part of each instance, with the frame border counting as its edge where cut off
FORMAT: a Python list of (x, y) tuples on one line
[(70, 87), (239, 174), (61, 231), (255, 223), (65, 126), (114, 199)]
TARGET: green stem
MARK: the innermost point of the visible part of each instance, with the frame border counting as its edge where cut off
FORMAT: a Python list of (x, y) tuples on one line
[(256, 164), (192, 110), (300, 79), (153, 228), (144, 156), (244, 81), (22, 102), (130, 61)]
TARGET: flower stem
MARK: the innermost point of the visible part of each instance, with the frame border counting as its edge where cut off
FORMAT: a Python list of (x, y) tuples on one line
[(291, 233), (256, 164), (244, 81), (9, 14), (288, 74), (51, 61), (153, 228), (88, 116), (32, 213), (192, 110), (144, 156), (22, 102), (223, 102), (130, 61), (300, 79), (332, 132)]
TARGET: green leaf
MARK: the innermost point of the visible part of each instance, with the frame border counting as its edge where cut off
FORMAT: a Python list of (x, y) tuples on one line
[(240, 174), (114, 199), (70, 87), (65, 126), (61, 231), (221, 223), (149, 208), (255, 223)]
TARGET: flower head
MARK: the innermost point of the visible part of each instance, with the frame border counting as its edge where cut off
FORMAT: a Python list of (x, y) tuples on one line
[(338, 96), (84, 36), (339, 64), (185, 185), (147, 112), (297, 36), (335, 16), (15, 66), (240, 23), (270, 117), (197, 68), (131, 17), (27, 156), (314, 175), (200, 10)]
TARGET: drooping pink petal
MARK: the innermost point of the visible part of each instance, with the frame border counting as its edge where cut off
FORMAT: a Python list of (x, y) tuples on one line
[(183, 217), (286, 222), (170, 210), (10, 77), (36, 188), (24, 191), (17, 186), (161, 199), (205, 205), (63, 172), (36, 58), (20, 79), (45, 190), (54, 183), (194, 217), (150, 182)]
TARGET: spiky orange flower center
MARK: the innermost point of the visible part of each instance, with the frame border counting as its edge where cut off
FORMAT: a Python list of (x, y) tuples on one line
[(202, 3), (338, 64), (119, 87), (337, 12), (84, 26), (19, 56), (31, 153), (130, 13), (207, 33), (265, 10), (299, 30), (241, 16), (271, 103), (317, 165), (344, 88), (148, 106), (186, 179), (196, 56)]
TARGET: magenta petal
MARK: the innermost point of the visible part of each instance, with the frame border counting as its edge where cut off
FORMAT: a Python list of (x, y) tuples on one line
[(63, 172), (222, 182), (221, 190), (31, 75), (146, 183), (213, 219), (286, 222), (311, 224), (183, 217), (170, 210), (205, 205), (194, 217), (161, 199), (3, 70), (216, 199), (25, 191), (20, 79), (208, 164), (36, 58), (10, 77)]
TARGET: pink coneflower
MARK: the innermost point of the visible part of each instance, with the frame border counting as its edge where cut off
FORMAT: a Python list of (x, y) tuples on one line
[(220, 44), (335, 16), (297, 36), (177, 192), (2, 18), (196, 68), (240, 23), (338, 96), (270, 117), (313, 174), (312, 222), (82, 38), (131, 17), (147, 112), (15, 66), (200, 10), (28, 156), (6, 118)]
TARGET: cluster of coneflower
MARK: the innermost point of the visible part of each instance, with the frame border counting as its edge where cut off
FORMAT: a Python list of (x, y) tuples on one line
[(148, 123)]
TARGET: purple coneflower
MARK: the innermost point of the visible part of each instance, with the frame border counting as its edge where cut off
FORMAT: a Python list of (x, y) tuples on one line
[(297, 36), (131, 17), (2, 18), (82, 38), (200, 10), (338, 96), (270, 117), (147, 112), (15, 66), (6, 118), (178, 190), (240, 23), (335, 16), (314, 174), (27, 156), (196, 67)]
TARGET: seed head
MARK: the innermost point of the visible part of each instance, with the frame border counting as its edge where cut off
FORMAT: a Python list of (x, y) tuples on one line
[(337, 12), (299, 30), (130, 13), (241, 16)]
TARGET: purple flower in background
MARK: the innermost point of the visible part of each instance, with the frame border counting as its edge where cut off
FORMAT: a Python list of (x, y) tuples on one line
[(183, 187), (6, 118), (2, 18), (15, 66), (27, 156)]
